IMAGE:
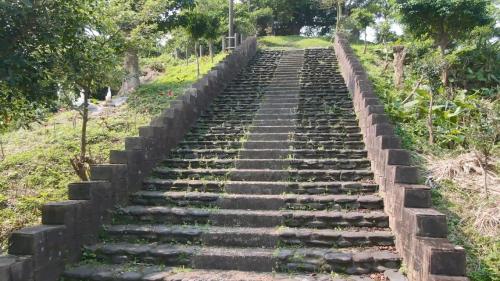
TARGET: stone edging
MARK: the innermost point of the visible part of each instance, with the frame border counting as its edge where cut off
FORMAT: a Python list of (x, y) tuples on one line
[(39, 253), (420, 230)]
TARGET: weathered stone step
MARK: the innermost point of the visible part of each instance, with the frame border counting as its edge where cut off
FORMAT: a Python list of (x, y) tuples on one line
[(289, 122), (232, 129), (356, 145), (227, 115), (269, 153), (251, 218), (256, 202), (260, 187), (249, 237), (350, 261), (265, 175), (304, 164), (136, 272)]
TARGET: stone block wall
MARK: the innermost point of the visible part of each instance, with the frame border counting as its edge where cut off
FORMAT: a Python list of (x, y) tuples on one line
[(40, 253), (420, 230)]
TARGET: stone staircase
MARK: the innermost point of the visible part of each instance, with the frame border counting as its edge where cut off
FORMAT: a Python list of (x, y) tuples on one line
[(272, 183)]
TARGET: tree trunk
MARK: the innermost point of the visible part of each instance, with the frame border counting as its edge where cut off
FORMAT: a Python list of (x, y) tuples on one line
[(1, 149), (366, 35), (132, 72), (443, 44), (399, 64), (187, 55), (211, 50), (429, 120), (80, 163), (85, 120), (197, 61), (339, 15), (201, 50)]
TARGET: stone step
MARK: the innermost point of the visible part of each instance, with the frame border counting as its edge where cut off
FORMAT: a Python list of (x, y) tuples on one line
[(275, 129), (214, 236), (260, 187), (268, 153), (265, 175), (302, 137), (256, 202), (251, 218), (289, 122), (356, 145), (304, 164), (269, 116), (350, 261), (137, 272)]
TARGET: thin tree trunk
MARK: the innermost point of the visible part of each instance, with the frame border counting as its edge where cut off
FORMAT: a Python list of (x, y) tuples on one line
[(85, 119), (132, 72), (187, 55), (444, 74), (201, 50), (197, 61), (414, 90), (339, 15), (1, 148), (211, 50), (429, 120), (366, 35), (80, 163)]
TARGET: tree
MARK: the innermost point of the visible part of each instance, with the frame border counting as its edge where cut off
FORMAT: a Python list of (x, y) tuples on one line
[(444, 21), (484, 135), (32, 36), (212, 33), (291, 16), (88, 64), (140, 22), (195, 24), (363, 18), (338, 5)]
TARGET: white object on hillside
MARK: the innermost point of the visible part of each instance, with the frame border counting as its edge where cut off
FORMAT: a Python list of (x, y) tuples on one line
[(80, 100), (108, 96)]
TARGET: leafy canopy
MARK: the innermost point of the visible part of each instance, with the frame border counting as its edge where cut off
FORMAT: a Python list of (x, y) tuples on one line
[(443, 20)]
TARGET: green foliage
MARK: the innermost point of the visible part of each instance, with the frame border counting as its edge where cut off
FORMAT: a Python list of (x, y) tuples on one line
[(443, 20), (152, 98), (362, 17), (458, 121), (475, 65), (33, 35), (142, 22), (291, 16), (195, 24), (263, 19)]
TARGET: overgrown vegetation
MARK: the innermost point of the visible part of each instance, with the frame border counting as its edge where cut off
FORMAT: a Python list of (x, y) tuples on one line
[(36, 168), (455, 174)]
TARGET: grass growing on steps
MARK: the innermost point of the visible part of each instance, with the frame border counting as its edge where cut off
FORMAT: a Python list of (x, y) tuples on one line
[(36, 169), (294, 42), (460, 202)]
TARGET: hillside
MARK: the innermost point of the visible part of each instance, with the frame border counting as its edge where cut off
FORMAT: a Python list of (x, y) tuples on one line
[(36, 167)]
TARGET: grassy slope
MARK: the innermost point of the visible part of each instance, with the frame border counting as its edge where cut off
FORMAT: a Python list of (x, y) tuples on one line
[(36, 169), (460, 204), (297, 42)]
